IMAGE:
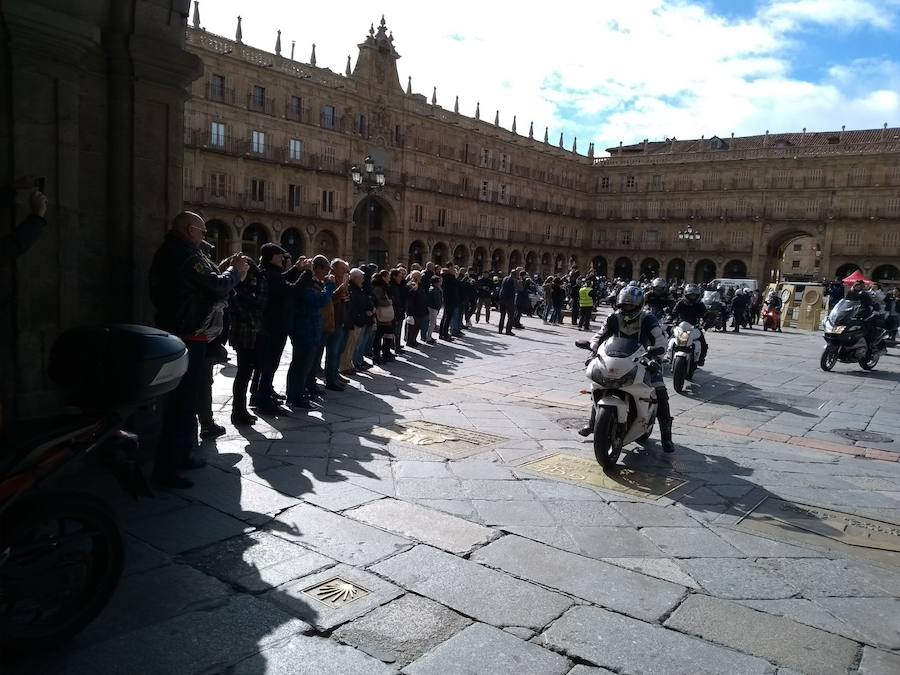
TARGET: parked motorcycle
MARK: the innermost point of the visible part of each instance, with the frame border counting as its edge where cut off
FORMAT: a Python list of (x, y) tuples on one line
[(846, 341), (771, 319), (61, 551), (683, 352), (624, 402)]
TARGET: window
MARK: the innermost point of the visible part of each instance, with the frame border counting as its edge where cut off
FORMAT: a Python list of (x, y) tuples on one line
[(651, 237), (798, 248), (855, 208), (599, 238), (859, 176), (217, 87), (217, 134), (656, 184), (442, 217), (485, 189), (628, 182), (295, 195), (504, 193), (327, 204), (737, 238), (361, 126), (295, 149), (258, 142), (328, 155), (217, 184), (890, 239), (812, 208), (419, 213), (258, 98), (815, 178), (742, 179), (328, 117), (258, 190), (627, 208), (782, 178), (653, 210), (604, 182), (779, 207), (398, 135), (504, 161), (485, 156), (892, 208), (625, 237), (795, 264), (852, 238), (295, 106)]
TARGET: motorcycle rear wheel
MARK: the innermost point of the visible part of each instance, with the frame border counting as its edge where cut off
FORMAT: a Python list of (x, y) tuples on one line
[(829, 358), (679, 372), (61, 557), (869, 362), (607, 446)]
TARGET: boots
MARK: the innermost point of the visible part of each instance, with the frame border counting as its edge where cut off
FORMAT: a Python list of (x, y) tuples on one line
[(240, 416), (588, 429), (665, 434)]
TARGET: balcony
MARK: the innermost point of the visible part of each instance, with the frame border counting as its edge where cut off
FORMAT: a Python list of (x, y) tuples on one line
[(219, 94), (261, 104), (269, 204), (297, 113)]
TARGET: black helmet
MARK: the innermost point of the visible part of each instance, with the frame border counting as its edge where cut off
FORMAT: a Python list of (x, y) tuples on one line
[(630, 301), (691, 293)]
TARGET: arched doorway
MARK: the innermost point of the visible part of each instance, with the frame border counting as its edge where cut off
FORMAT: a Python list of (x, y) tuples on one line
[(253, 237), (478, 259), (735, 269), (649, 268), (531, 262), (705, 271), (461, 256), (498, 260), (675, 270), (372, 217), (622, 268), (292, 242), (440, 253), (217, 235), (546, 265), (884, 273), (326, 244), (793, 255), (417, 252), (846, 270), (515, 260), (378, 252), (599, 265)]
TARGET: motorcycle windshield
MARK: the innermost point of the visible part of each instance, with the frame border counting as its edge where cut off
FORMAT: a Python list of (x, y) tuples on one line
[(710, 298), (621, 347), (843, 312)]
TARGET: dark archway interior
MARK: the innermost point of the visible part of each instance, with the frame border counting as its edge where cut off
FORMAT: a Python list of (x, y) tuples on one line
[(735, 269), (217, 235), (599, 265), (623, 268), (252, 239), (650, 268), (705, 271), (675, 270), (885, 273), (292, 242)]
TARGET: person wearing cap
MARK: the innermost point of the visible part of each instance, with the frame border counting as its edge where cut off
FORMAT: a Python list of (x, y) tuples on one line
[(246, 306)]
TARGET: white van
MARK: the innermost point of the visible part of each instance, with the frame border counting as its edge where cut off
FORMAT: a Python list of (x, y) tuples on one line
[(752, 284)]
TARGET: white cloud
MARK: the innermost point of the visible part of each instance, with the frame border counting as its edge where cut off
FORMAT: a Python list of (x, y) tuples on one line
[(793, 14)]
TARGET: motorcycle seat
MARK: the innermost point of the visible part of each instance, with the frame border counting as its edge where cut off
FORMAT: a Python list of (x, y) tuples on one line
[(23, 437)]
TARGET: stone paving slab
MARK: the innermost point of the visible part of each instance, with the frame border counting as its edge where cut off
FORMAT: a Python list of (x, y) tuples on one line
[(424, 525), (627, 645), (877, 662), (645, 515), (403, 630), (335, 536), (485, 649), (598, 582), (661, 568), (690, 542), (305, 655), (807, 612), (186, 528), (779, 640), (472, 589), (835, 578), (876, 618), (737, 578), (332, 493)]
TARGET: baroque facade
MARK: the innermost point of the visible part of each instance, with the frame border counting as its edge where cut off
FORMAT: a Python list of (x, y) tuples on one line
[(269, 142)]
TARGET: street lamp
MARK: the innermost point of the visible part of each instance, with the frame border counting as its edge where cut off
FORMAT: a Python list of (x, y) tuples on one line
[(688, 236), (370, 180)]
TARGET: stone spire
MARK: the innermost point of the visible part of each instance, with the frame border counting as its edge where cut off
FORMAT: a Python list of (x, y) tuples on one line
[(196, 21), (456, 105), (478, 110), (312, 57), (278, 44), (293, 44), (347, 69), (531, 130), (409, 85), (514, 124), (591, 150), (575, 145), (560, 139), (376, 65), (434, 96), (546, 134), (238, 35), (497, 119)]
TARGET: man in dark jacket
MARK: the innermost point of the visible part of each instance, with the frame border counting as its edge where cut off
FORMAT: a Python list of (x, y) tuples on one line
[(483, 290), (507, 304), (398, 291), (574, 288), (189, 294), (450, 285)]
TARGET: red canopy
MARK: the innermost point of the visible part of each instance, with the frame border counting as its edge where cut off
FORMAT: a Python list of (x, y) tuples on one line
[(856, 276)]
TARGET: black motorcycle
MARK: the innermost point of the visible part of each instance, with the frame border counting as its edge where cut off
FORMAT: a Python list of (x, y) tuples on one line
[(850, 339), (61, 550), (716, 316)]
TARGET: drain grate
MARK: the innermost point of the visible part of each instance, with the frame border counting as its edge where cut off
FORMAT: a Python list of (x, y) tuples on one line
[(864, 436), (336, 592)]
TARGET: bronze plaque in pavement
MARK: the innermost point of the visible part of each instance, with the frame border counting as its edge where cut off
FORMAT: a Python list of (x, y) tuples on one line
[(806, 524), (439, 439), (336, 592), (588, 472)]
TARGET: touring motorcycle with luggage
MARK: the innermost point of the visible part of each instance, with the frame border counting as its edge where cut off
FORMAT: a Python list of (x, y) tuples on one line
[(851, 339)]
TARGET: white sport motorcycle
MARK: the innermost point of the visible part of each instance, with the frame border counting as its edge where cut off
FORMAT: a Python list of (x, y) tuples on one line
[(683, 353), (624, 402)]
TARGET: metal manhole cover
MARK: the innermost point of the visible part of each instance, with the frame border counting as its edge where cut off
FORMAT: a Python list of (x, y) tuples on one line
[(806, 524), (588, 472), (336, 592), (572, 422), (438, 439), (864, 436)]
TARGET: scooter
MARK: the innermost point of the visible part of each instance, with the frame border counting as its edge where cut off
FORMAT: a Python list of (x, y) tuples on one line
[(61, 551), (771, 319), (624, 403), (683, 352), (845, 338)]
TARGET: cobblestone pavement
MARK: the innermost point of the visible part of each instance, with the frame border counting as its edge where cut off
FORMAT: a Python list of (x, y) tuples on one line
[(424, 521)]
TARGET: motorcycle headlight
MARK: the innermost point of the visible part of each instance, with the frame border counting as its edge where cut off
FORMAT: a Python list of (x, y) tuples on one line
[(839, 329), (613, 382), (683, 338)]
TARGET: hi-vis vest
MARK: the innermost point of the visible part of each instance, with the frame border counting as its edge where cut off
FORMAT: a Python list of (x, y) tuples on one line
[(584, 297)]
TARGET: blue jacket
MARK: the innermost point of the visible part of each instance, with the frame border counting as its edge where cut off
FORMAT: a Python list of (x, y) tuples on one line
[(309, 298)]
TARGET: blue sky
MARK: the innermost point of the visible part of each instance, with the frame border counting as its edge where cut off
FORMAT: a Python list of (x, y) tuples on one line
[(608, 70)]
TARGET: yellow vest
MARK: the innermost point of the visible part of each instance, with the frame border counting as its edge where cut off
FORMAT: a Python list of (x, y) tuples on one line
[(584, 297)]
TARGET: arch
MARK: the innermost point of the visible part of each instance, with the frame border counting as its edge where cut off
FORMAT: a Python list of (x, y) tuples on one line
[(479, 258), (373, 216), (559, 263), (461, 256), (378, 252), (326, 243), (793, 252), (498, 260), (885, 273), (622, 268), (650, 268), (531, 262), (440, 253), (252, 238), (675, 270), (704, 271), (417, 251), (735, 269), (292, 242), (218, 234), (599, 265), (846, 270), (515, 259)]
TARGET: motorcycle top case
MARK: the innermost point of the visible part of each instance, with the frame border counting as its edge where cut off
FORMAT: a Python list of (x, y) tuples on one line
[(113, 365)]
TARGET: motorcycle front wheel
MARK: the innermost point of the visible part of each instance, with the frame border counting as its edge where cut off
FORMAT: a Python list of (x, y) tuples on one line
[(61, 557), (606, 443), (679, 373), (829, 358)]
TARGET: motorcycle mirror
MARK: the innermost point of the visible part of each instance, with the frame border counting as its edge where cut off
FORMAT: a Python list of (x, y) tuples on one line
[(582, 344)]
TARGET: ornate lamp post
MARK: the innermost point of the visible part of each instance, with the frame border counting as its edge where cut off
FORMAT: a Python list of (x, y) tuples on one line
[(368, 180), (688, 236)]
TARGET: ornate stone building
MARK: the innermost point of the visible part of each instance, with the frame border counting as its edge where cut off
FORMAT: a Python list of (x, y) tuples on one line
[(270, 141)]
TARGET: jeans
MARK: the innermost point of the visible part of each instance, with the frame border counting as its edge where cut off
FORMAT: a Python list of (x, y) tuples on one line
[(179, 432), (334, 345), (548, 311), (486, 304), (269, 349), (304, 351), (456, 320), (431, 324), (446, 319), (362, 345)]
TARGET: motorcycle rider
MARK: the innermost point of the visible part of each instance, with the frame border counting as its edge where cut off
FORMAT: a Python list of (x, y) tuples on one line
[(659, 300), (774, 302), (739, 303), (867, 309), (630, 320), (690, 309)]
